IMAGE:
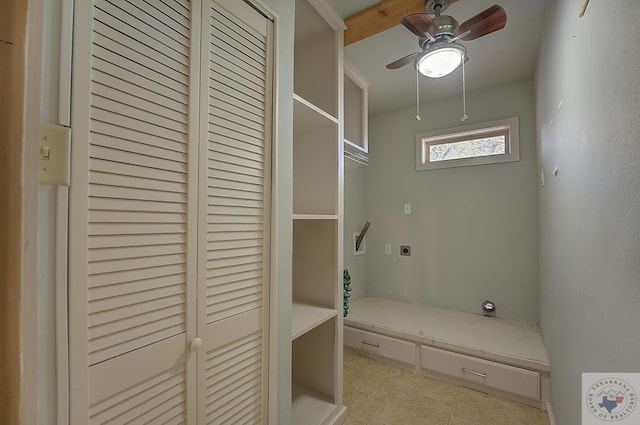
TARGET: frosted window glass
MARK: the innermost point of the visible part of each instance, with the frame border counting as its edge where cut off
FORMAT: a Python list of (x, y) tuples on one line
[(468, 149)]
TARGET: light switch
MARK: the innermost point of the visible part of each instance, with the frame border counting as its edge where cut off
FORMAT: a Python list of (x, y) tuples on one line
[(55, 148), (387, 249), (407, 209)]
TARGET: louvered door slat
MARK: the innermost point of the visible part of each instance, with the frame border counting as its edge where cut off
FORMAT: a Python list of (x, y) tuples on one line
[(116, 289), (142, 127), (135, 170), (165, 212), (157, 122), (233, 133), (219, 175), (227, 91), (219, 289), (237, 180), (110, 33), (231, 60), (234, 236), (115, 92), (151, 55), (143, 30), (241, 280), (236, 87), (131, 190), (229, 46), (108, 131), (227, 126), (123, 314), (132, 205), (251, 41), (236, 165), (233, 74), (144, 74), (139, 160), (110, 216), (241, 103), (216, 272), (109, 342), (108, 241), (216, 200), (134, 229), (255, 122), (234, 369), (109, 141), (118, 180), (236, 189), (169, 106), (230, 262), (115, 67), (166, 23), (236, 149), (143, 394)]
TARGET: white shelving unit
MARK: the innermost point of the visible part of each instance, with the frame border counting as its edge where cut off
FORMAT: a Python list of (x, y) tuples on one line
[(356, 111), (317, 215), (307, 317)]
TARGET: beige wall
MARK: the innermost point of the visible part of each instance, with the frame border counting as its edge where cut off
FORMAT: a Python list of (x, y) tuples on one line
[(355, 216), (12, 61), (587, 91), (473, 230)]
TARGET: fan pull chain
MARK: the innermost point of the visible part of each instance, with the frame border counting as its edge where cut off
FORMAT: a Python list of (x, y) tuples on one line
[(417, 95), (464, 94)]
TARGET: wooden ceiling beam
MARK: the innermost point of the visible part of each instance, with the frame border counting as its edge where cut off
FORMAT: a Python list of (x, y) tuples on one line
[(379, 17)]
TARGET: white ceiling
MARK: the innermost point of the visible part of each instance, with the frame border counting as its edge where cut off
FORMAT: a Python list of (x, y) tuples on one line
[(498, 58)]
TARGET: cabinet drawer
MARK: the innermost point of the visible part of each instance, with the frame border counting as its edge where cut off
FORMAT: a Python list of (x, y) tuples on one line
[(384, 346), (502, 377)]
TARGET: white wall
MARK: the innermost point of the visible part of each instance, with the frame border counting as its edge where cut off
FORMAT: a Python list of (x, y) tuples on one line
[(588, 91), (355, 215), (473, 230)]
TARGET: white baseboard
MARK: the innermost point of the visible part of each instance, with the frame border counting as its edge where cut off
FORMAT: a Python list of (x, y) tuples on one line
[(552, 421)]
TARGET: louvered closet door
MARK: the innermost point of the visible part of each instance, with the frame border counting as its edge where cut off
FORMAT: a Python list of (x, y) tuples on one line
[(133, 212), (235, 160)]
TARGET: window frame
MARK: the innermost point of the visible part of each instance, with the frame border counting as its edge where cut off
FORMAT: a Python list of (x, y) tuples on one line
[(510, 127)]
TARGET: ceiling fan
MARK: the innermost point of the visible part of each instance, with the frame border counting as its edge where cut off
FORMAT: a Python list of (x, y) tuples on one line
[(438, 37)]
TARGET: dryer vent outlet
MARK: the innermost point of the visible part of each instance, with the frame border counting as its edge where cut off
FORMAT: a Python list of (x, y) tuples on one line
[(405, 250)]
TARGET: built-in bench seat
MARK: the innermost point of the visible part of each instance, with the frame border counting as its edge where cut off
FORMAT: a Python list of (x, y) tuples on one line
[(499, 356)]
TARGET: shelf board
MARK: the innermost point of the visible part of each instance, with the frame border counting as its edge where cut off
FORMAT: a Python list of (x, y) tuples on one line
[(310, 407), (306, 317), (307, 116), (315, 216), (349, 144)]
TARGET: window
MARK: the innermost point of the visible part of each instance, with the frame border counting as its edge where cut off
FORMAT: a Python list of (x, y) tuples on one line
[(478, 144)]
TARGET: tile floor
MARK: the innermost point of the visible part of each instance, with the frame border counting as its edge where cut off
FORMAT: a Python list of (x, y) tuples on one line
[(378, 394)]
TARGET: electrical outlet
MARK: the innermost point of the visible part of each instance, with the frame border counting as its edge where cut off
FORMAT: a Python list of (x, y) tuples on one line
[(405, 250)]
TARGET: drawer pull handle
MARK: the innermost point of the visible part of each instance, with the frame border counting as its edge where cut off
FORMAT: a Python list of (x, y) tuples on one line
[(470, 372), (364, 341)]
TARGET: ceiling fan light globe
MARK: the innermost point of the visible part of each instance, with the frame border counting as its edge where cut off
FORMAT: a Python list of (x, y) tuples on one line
[(440, 61)]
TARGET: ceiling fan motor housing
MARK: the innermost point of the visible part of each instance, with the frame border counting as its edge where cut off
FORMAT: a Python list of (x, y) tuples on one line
[(446, 25), (435, 7)]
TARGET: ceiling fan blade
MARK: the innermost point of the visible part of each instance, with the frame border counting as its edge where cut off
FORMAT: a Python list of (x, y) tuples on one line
[(485, 22), (420, 24), (403, 61)]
